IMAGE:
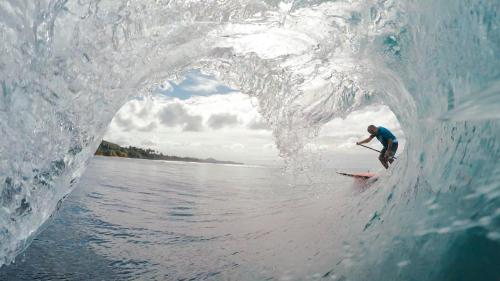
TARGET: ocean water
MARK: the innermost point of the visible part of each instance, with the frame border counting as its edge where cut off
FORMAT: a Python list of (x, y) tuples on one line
[(67, 66), (156, 220)]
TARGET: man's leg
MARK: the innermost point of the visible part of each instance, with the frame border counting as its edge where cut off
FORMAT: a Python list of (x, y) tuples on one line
[(393, 152), (391, 157), (382, 159)]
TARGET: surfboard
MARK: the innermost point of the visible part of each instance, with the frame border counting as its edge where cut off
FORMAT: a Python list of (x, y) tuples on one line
[(364, 176)]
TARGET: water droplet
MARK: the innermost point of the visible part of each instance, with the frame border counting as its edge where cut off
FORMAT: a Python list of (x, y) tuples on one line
[(403, 263), (493, 235)]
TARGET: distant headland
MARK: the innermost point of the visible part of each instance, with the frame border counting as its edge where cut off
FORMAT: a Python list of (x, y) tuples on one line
[(107, 148)]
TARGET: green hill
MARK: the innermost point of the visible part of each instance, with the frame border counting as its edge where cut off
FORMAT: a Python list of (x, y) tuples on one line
[(107, 148)]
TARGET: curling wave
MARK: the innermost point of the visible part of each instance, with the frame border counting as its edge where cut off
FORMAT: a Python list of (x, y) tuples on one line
[(67, 67)]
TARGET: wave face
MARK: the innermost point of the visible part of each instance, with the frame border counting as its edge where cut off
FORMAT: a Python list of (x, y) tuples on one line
[(68, 66)]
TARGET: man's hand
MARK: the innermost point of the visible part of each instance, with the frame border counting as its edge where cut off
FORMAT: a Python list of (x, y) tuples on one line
[(365, 140)]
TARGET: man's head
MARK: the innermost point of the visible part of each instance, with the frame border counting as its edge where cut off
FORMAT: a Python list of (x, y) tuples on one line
[(372, 129)]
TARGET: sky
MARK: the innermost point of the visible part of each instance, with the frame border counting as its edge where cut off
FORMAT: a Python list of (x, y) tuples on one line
[(200, 117)]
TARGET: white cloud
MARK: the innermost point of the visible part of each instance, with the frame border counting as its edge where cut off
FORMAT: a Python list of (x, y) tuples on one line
[(218, 126), (175, 115), (258, 124), (151, 127), (269, 146), (204, 85), (194, 83), (237, 146), (218, 121), (148, 143), (124, 123)]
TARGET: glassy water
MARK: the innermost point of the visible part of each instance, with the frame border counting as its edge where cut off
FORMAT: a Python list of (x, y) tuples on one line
[(153, 220)]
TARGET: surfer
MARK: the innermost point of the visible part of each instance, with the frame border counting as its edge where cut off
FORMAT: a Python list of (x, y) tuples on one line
[(387, 139)]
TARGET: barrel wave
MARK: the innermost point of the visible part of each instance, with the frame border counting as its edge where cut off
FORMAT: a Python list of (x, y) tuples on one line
[(67, 66)]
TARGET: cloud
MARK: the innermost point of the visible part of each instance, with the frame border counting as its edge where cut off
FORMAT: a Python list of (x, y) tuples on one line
[(219, 121), (193, 124), (202, 84), (146, 110), (148, 143), (151, 127), (269, 146), (258, 125), (194, 83), (132, 106), (175, 114), (125, 123), (237, 146), (166, 123)]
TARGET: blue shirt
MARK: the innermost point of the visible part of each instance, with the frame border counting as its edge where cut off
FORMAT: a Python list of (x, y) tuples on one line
[(383, 135)]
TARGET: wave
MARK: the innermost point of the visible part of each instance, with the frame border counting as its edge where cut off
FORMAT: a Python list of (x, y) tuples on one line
[(68, 66)]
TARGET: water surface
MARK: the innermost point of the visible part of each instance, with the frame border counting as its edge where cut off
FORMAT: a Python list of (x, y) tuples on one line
[(155, 220)]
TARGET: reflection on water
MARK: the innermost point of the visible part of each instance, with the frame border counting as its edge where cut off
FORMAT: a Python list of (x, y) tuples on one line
[(152, 220)]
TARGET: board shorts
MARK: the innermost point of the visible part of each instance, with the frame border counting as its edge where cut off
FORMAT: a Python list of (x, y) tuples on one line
[(392, 152)]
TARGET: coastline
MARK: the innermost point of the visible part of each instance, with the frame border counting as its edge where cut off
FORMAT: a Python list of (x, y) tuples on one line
[(109, 149)]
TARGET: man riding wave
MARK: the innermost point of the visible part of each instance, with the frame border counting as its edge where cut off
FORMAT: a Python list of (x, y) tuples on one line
[(387, 139)]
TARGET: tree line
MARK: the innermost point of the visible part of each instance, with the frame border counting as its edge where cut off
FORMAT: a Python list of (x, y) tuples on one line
[(107, 148)]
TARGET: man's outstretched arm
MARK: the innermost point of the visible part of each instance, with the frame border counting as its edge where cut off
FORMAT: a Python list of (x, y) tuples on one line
[(367, 140)]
